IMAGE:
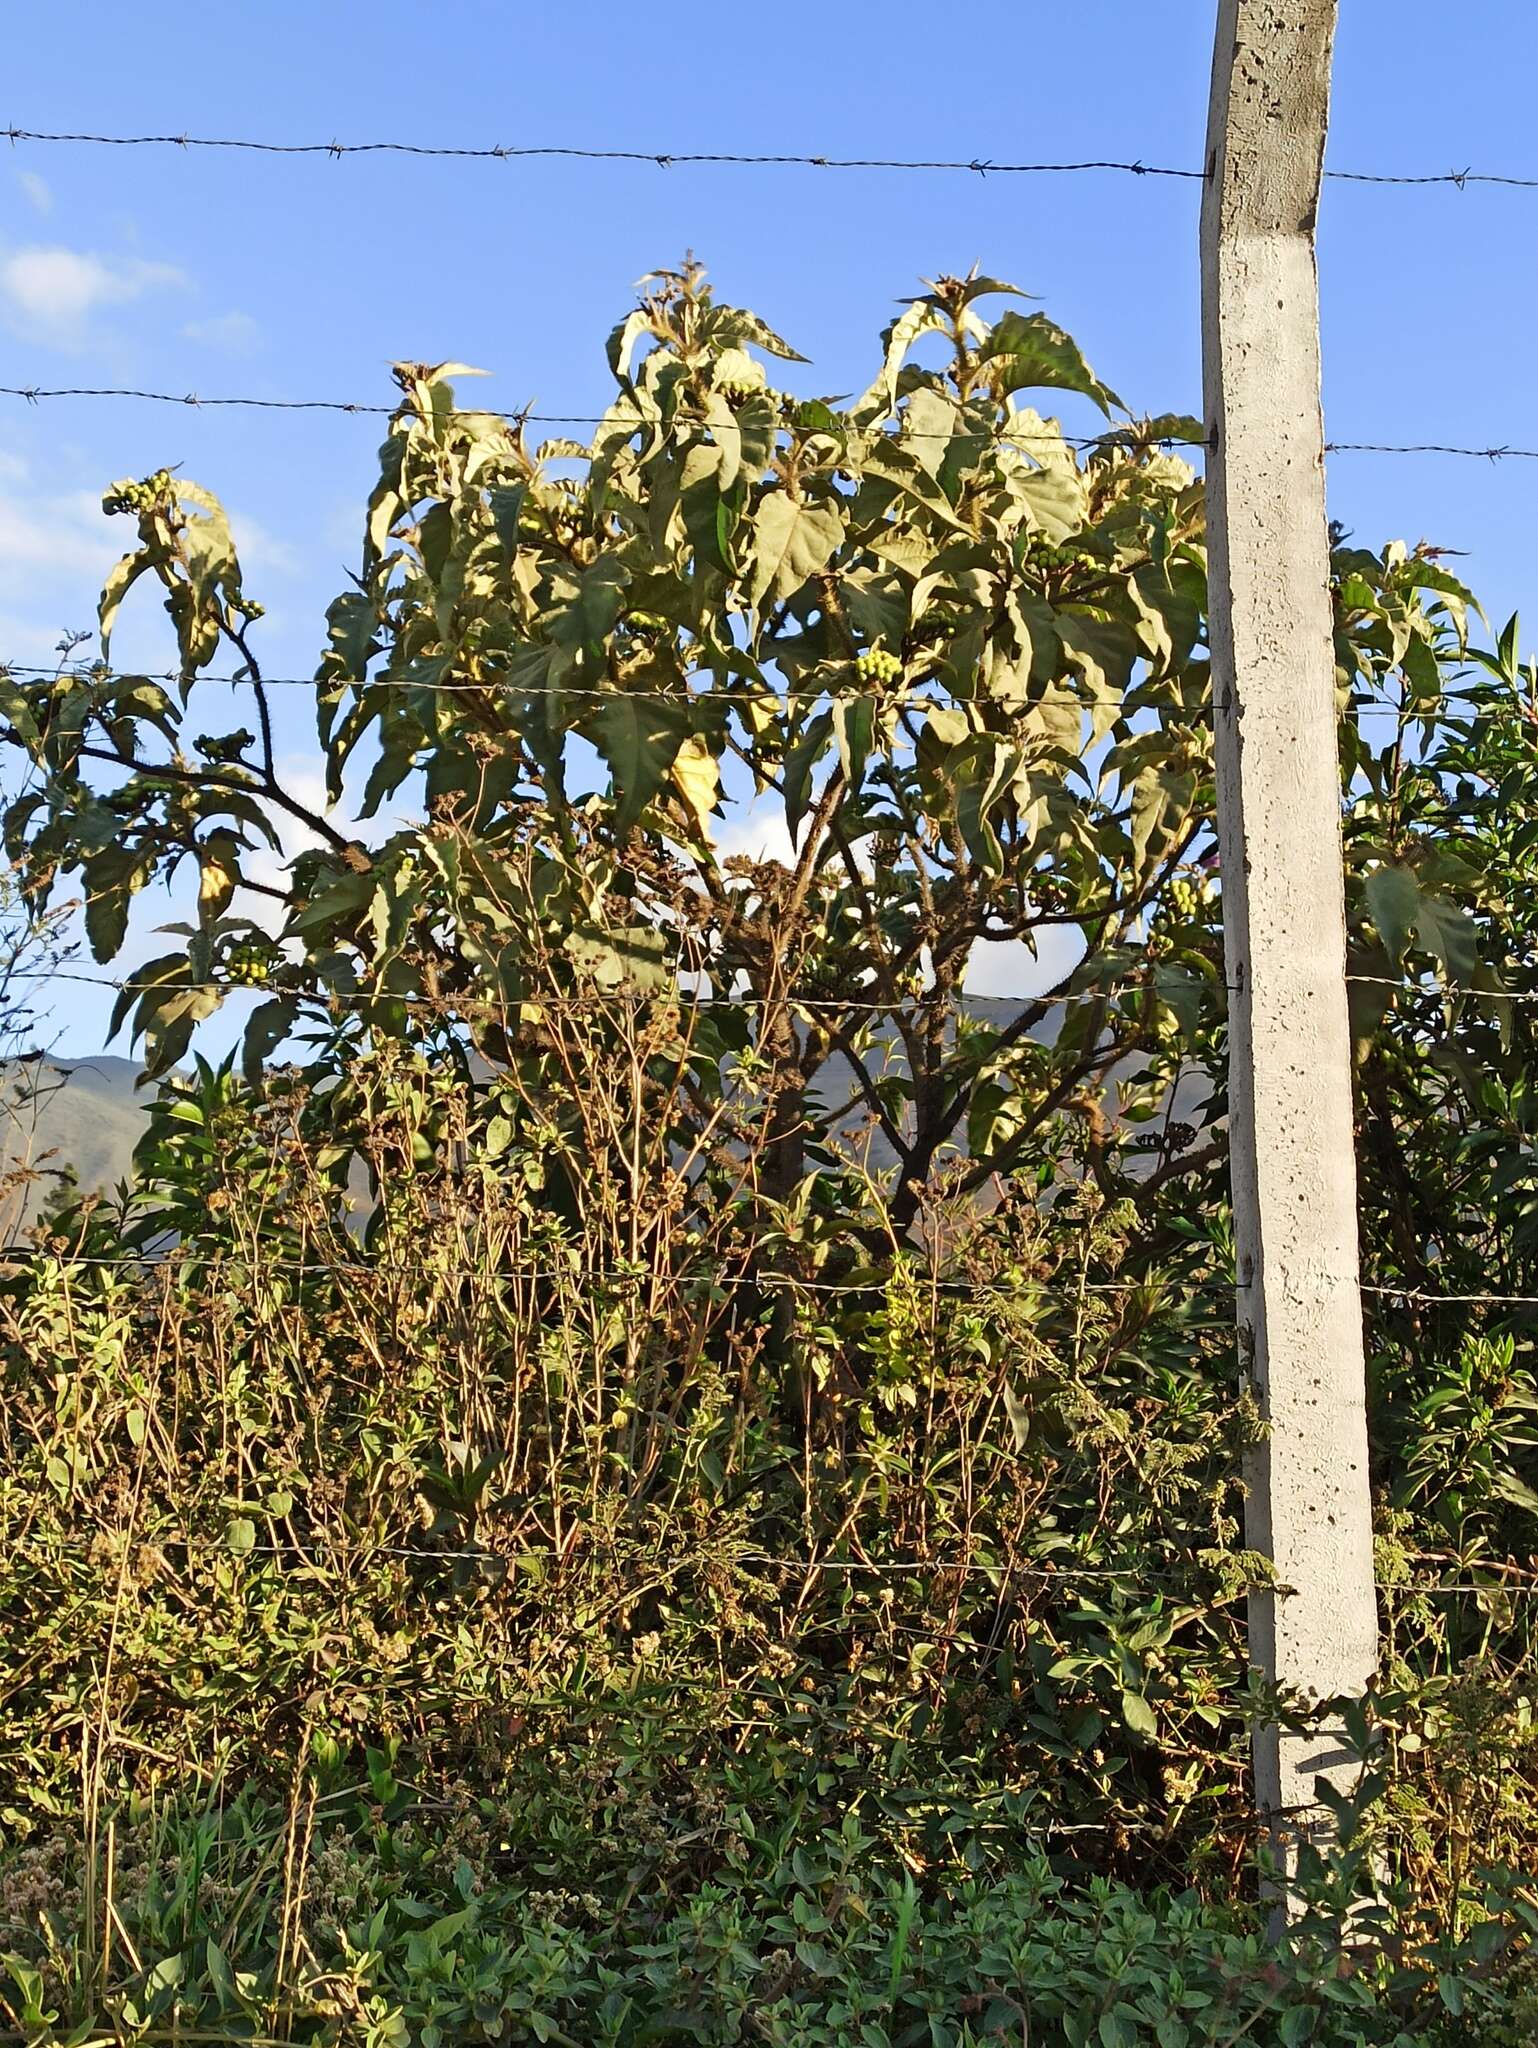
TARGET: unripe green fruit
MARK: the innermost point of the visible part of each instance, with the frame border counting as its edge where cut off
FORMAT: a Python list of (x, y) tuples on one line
[(248, 963), (875, 665)]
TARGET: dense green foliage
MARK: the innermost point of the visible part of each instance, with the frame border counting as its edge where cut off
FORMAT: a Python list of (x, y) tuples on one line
[(673, 1551), (410, 1934)]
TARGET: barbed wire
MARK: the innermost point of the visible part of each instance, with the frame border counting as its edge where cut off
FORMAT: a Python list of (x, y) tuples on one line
[(602, 693), (669, 159), (587, 1551), (1444, 988), (1430, 1298), (173, 1256), (675, 995), (663, 159), (1429, 448), (679, 996), (1458, 178), (1451, 710), (35, 393), (1110, 438)]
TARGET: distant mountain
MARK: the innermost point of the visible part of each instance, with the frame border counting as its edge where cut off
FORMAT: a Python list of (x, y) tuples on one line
[(84, 1114), (89, 1115)]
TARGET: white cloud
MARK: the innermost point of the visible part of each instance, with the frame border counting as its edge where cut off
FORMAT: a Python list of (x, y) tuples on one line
[(758, 832), (1008, 967), (65, 533), (32, 638), (55, 551), (36, 190), (260, 550), (236, 334), (54, 291)]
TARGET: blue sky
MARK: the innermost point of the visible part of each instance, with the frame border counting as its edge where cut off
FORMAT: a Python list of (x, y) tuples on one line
[(307, 277)]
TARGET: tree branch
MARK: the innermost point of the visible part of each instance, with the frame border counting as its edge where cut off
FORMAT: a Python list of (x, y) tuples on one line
[(203, 778)]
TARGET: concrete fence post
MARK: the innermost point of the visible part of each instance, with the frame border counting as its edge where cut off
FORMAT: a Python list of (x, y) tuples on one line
[(1278, 779)]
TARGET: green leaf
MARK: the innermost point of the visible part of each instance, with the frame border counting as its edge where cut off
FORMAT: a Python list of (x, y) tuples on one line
[(17, 714), (792, 541), (166, 1021), (350, 636), (1054, 497), (622, 958), (1161, 804), (622, 341), (727, 435), (1019, 1415), (117, 586), (922, 317), (976, 287), (600, 598), (1101, 651), (696, 775), (112, 880), (1027, 351), (854, 724), (734, 324), (1182, 991), (165, 1975), (165, 971), (981, 775), (1139, 1715), (639, 736), (1448, 934), (213, 572), (950, 726), (270, 1024), (1516, 1492), (800, 764), (220, 1974), (1401, 908), (1171, 620), (1393, 902), (816, 416)]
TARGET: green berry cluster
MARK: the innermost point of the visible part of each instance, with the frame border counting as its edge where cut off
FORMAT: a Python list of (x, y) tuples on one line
[(875, 665), (1187, 897), (1182, 897), (138, 497), (248, 963)]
